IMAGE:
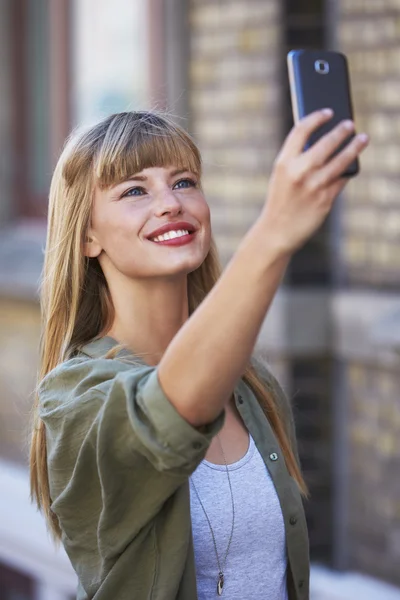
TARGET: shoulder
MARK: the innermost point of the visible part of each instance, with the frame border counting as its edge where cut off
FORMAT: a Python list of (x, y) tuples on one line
[(79, 378)]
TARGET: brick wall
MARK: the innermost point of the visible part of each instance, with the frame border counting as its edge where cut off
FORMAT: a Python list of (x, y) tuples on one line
[(311, 381), (374, 473), (234, 105), (369, 33)]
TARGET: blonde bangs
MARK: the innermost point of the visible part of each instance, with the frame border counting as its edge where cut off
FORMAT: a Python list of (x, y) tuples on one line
[(137, 141)]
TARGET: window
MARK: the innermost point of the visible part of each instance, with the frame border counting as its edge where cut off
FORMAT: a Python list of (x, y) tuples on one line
[(40, 112), (109, 57)]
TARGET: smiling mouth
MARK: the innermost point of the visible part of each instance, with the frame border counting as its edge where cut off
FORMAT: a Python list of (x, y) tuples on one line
[(179, 237), (170, 235)]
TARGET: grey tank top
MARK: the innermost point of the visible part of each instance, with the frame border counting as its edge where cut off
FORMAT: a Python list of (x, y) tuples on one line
[(256, 565)]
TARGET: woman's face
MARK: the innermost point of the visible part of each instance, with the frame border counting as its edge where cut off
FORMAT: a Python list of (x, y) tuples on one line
[(156, 224)]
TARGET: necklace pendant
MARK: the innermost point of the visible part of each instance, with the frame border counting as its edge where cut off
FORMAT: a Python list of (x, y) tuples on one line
[(220, 584)]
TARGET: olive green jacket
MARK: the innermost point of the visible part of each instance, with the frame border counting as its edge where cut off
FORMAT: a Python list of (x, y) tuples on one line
[(119, 458)]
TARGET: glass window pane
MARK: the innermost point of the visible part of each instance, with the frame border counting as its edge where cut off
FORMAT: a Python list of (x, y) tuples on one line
[(110, 57)]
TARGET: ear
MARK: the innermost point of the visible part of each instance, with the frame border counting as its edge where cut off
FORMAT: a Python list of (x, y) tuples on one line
[(91, 247)]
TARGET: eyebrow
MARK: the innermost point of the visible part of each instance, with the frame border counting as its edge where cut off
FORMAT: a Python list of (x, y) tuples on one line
[(144, 178)]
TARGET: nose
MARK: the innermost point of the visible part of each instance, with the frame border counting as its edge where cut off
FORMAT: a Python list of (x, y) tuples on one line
[(167, 203)]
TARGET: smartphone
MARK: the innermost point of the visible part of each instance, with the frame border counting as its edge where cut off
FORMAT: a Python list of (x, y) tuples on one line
[(320, 79)]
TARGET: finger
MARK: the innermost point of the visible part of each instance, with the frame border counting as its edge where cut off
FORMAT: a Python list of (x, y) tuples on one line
[(337, 186), (333, 191), (322, 150), (338, 165), (301, 132)]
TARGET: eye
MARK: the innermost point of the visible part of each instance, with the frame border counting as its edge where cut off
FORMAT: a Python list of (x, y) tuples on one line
[(133, 192), (191, 183)]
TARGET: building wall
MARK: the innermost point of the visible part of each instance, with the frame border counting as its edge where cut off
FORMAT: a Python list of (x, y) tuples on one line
[(5, 113), (369, 254), (234, 103), (369, 32), (19, 340), (374, 492)]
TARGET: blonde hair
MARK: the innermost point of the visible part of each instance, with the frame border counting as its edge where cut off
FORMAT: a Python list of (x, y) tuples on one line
[(75, 301)]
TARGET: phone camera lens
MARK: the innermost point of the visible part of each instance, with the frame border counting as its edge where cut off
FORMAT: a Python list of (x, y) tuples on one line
[(322, 67)]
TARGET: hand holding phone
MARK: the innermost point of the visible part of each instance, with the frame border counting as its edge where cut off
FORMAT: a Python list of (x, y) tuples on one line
[(318, 80), (304, 184)]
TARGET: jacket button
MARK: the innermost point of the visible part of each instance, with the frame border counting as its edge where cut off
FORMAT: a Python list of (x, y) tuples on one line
[(273, 456), (293, 520), (301, 583), (240, 399), (197, 445)]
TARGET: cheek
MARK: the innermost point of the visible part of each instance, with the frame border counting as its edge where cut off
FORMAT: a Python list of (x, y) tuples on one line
[(206, 213), (118, 232), (206, 221), (201, 211), (118, 225)]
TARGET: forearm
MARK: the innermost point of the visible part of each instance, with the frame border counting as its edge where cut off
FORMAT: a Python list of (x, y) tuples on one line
[(209, 354)]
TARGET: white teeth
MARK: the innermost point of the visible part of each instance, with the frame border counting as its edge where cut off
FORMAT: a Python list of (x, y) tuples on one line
[(170, 235)]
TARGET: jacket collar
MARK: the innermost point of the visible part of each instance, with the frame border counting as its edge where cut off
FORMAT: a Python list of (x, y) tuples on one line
[(99, 347)]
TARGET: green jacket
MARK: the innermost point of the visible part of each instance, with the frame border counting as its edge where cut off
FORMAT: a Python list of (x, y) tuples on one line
[(119, 458)]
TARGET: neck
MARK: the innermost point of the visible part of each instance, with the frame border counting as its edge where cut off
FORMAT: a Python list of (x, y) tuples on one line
[(148, 314)]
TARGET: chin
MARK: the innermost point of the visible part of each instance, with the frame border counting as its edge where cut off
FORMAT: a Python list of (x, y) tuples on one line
[(181, 270), (181, 267)]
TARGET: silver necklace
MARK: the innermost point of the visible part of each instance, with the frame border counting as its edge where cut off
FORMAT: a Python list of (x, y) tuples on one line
[(221, 579)]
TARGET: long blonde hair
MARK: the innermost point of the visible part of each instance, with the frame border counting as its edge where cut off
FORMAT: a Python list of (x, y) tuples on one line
[(75, 301)]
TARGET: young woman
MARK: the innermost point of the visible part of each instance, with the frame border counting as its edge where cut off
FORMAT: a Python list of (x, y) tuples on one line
[(163, 456)]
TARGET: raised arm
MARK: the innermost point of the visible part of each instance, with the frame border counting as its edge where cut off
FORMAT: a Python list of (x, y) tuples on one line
[(209, 354)]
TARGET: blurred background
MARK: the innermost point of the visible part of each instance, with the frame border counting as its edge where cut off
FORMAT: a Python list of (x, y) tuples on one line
[(333, 333)]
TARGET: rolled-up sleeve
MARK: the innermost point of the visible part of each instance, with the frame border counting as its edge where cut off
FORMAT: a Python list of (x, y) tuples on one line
[(123, 410), (182, 443)]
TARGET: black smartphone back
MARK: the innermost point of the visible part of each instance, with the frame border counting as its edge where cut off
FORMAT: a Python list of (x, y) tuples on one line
[(320, 79)]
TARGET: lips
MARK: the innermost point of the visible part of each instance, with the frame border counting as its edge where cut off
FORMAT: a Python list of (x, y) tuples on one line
[(180, 225)]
